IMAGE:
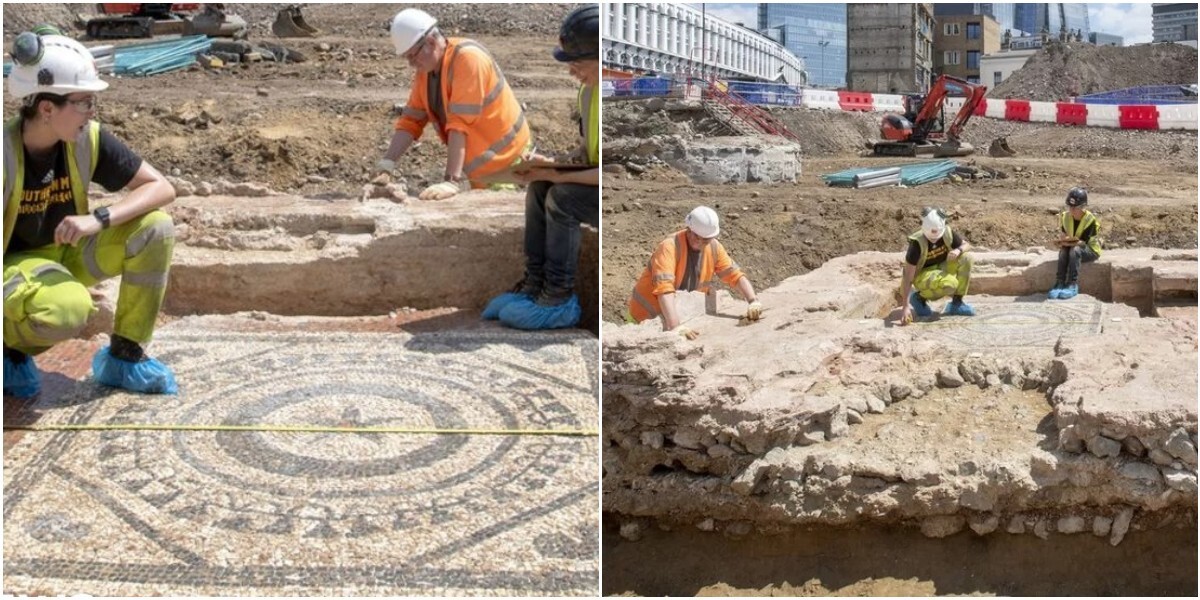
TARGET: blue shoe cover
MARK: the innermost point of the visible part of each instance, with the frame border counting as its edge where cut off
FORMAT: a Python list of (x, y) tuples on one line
[(531, 315), (492, 311), (959, 309), (148, 376), (1069, 292), (920, 306), (21, 380), (1055, 293)]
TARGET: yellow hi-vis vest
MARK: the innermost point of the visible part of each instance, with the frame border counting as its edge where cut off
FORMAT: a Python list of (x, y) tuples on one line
[(81, 168), (923, 242), (1073, 229), (589, 111)]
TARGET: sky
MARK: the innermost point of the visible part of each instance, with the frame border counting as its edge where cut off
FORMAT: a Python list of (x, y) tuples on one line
[(1128, 20)]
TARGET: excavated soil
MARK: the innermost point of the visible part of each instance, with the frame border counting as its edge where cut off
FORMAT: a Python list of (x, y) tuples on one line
[(317, 127), (824, 561), (1143, 187), (1061, 70)]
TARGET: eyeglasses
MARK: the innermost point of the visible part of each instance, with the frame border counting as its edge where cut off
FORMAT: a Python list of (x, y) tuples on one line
[(84, 105), (412, 53)]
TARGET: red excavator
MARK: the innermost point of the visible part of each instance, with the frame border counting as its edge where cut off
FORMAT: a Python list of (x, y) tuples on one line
[(148, 20), (920, 130)]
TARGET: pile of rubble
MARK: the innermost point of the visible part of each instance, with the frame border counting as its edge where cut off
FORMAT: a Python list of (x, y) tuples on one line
[(1064, 69)]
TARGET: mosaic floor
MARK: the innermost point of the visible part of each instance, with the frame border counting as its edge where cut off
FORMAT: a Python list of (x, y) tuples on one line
[(137, 512), (1019, 324)]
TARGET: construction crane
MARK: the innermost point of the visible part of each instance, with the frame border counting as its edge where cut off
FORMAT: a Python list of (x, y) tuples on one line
[(920, 130)]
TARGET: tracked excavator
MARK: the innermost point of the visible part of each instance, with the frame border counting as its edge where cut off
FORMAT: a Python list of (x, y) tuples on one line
[(921, 130), (148, 20)]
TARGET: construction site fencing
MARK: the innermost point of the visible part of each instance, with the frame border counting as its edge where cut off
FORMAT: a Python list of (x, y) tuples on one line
[(1146, 94), (1117, 116)]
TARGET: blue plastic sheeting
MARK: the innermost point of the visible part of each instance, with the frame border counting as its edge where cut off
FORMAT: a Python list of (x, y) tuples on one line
[(153, 58), (912, 174), (1146, 94), (773, 94)]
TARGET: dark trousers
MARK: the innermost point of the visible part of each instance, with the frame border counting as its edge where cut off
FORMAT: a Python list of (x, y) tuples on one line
[(1068, 263), (553, 212)]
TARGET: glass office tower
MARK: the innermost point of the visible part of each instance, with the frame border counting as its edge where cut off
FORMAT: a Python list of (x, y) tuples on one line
[(816, 32), (1051, 16)]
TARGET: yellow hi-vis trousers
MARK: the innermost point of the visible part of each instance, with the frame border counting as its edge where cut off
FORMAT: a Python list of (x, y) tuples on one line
[(45, 289), (951, 277)]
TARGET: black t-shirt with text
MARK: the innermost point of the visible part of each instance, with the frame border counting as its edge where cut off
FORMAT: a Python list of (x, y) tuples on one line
[(47, 199), (937, 250)]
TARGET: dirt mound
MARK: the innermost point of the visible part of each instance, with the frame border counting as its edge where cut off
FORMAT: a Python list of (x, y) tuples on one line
[(336, 19), (1060, 70)]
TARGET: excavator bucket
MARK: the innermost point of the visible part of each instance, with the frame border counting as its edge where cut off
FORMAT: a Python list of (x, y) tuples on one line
[(1000, 148), (289, 22)]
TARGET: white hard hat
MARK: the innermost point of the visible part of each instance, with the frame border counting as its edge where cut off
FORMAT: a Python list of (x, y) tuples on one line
[(933, 224), (703, 222), (409, 26), (52, 64)]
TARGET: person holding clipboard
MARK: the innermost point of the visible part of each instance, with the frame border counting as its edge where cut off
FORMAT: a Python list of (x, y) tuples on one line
[(560, 196)]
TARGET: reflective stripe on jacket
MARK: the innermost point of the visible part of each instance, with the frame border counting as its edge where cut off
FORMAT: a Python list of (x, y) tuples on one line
[(80, 169), (479, 103), (666, 271), (1073, 229)]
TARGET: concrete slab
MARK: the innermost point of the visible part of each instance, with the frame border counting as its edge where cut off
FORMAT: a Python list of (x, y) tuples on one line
[(143, 512)]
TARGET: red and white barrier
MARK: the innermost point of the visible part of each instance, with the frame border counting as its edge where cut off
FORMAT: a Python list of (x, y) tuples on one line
[(1167, 116)]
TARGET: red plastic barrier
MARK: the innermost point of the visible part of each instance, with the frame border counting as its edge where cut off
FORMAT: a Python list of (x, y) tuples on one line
[(1070, 113), (981, 108), (1139, 117), (856, 101), (1016, 110)]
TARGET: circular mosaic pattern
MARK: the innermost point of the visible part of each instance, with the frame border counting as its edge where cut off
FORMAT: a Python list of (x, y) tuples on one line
[(1022, 324), (341, 484)]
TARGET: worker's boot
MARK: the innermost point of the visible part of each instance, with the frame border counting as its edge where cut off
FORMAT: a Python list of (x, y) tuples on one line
[(1057, 290), (550, 311), (124, 365), (920, 306), (527, 289), (21, 377), (958, 308)]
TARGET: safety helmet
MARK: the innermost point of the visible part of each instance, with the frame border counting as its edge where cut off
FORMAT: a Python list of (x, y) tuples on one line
[(703, 222), (1077, 197), (579, 37), (933, 223), (45, 62), (408, 27)]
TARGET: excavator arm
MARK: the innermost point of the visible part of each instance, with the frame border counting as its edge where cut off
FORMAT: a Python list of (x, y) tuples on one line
[(925, 135), (931, 111)]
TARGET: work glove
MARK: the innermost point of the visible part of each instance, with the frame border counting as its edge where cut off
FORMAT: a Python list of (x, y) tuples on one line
[(440, 191), (384, 165), (688, 333), (754, 312)]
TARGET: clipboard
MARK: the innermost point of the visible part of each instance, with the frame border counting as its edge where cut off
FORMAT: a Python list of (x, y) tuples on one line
[(506, 175)]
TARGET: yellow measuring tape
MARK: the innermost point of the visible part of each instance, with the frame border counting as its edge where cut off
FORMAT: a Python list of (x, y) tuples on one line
[(979, 322), (303, 429)]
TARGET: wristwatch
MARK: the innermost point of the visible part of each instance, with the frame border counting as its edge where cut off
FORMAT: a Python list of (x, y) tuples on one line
[(101, 215)]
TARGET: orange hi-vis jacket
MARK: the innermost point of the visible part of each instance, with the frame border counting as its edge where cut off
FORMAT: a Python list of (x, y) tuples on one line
[(666, 271), (478, 103)]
